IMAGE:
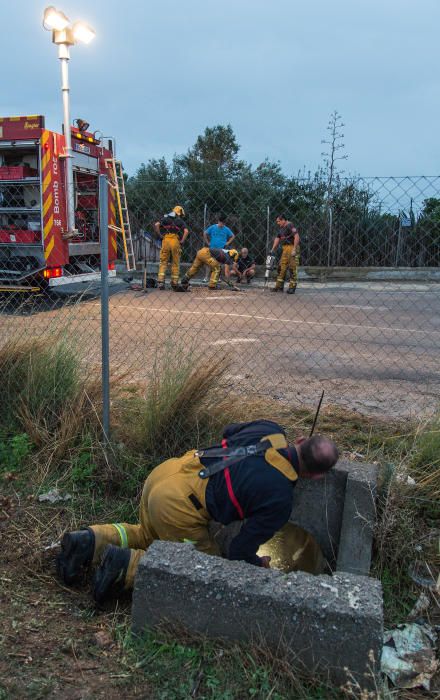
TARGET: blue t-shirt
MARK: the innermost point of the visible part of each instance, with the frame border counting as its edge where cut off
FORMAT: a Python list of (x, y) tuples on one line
[(218, 235)]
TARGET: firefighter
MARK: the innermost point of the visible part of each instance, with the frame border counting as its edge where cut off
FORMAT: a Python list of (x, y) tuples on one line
[(288, 236), (173, 231), (250, 476), (214, 258)]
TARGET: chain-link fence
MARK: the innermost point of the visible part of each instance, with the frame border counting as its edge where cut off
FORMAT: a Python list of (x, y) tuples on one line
[(364, 322)]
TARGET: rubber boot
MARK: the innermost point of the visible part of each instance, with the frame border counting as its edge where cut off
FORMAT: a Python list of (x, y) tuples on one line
[(76, 553), (277, 289), (110, 576), (184, 283), (291, 290), (161, 285)]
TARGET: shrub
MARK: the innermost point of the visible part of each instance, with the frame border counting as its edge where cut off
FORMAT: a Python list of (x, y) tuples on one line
[(181, 408)]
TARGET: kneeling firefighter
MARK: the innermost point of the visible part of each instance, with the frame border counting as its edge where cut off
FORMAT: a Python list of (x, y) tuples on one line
[(251, 476), (214, 258), (173, 231)]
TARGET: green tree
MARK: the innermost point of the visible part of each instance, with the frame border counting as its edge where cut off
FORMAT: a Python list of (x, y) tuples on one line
[(214, 155)]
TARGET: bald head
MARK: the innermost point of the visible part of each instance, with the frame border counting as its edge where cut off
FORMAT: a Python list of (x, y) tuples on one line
[(317, 454)]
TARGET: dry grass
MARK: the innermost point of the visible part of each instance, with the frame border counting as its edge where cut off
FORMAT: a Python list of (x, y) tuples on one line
[(407, 538), (182, 407), (179, 409)]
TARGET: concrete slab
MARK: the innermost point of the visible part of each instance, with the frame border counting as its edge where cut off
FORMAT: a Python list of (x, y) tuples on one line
[(328, 624), (359, 516)]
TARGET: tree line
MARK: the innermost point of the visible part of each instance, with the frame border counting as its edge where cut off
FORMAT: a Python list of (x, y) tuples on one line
[(344, 221)]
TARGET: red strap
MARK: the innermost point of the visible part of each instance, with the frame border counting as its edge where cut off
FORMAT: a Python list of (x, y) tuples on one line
[(231, 493)]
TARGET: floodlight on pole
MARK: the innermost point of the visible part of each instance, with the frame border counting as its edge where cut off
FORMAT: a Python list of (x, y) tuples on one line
[(64, 35), (53, 19), (83, 32)]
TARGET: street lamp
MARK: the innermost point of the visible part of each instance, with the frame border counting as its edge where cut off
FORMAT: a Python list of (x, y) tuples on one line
[(64, 35)]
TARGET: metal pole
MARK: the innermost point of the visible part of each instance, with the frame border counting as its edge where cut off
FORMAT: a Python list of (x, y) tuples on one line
[(64, 56), (399, 238), (105, 335), (267, 230), (330, 233)]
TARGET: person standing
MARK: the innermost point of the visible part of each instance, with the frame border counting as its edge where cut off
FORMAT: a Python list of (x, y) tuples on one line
[(288, 237), (244, 268), (219, 236), (173, 231)]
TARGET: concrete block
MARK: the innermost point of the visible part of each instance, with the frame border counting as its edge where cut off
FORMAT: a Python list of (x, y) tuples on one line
[(320, 507), (327, 623), (356, 538)]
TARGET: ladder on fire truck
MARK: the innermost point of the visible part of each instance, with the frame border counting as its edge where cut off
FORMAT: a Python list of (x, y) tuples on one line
[(124, 229)]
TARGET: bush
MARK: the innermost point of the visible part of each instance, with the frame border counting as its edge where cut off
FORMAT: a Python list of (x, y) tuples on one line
[(181, 408), (38, 377), (46, 397), (408, 515)]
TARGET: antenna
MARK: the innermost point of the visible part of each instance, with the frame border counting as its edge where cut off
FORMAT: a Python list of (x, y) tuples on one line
[(316, 414)]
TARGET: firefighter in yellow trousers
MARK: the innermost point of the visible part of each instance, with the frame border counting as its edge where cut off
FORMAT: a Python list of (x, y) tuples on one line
[(173, 231), (250, 476), (288, 237), (165, 513), (214, 258)]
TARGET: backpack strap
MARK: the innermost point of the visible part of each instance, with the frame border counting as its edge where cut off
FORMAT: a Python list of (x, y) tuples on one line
[(228, 456)]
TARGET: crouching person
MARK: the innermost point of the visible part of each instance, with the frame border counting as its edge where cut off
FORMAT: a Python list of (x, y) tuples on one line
[(251, 476), (214, 258), (244, 268)]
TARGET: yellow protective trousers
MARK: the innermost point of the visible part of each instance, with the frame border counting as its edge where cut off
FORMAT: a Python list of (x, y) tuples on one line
[(172, 507), (170, 249), (204, 257), (288, 264)]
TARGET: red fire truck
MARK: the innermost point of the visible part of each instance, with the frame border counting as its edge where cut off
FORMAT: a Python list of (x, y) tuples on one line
[(36, 250)]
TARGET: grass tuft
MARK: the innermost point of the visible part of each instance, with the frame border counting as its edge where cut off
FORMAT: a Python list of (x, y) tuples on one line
[(180, 408), (408, 517), (180, 665)]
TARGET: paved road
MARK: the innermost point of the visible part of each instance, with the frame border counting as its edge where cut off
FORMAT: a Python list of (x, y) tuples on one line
[(380, 340), (373, 346)]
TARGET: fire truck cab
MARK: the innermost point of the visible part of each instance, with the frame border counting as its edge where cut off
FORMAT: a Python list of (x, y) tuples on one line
[(35, 250)]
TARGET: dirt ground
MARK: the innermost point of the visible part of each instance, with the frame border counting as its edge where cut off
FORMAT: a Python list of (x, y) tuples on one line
[(54, 642)]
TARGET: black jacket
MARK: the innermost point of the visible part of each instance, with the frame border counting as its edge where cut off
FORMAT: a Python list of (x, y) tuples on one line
[(264, 493)]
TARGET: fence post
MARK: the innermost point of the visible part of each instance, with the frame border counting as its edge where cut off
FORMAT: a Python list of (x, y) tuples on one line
[(330, 234), (399, 242), (267, 229), (105, 335)]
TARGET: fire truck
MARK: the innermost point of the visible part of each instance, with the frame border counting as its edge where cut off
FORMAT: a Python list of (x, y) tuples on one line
[(36, 249)]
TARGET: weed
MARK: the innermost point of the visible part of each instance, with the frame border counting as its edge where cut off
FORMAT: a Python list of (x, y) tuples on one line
[(83, 465), (14, 452), (181, 666), (408, 508)]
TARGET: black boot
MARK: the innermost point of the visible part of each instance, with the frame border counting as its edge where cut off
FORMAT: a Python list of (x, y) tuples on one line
[(184, 283), (161, 285), (76, 553), (276, 289), (291, 290), (110, 577)]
